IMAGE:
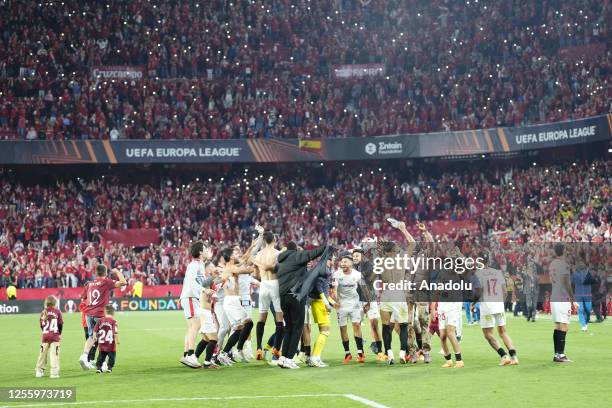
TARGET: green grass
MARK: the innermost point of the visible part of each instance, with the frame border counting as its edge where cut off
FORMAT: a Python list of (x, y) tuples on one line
[(151, 344)]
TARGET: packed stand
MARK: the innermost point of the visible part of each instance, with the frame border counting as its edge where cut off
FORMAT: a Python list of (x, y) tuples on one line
[(244, 69), (49, 235)]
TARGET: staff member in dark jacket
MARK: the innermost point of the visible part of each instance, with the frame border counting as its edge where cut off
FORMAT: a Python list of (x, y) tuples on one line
[(291, 272)]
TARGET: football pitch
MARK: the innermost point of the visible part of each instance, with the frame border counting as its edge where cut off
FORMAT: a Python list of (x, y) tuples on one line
[(148, 374)]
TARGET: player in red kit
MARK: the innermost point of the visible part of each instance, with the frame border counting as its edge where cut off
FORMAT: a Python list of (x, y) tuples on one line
[(97, 293), (107, 338), (51, 324)]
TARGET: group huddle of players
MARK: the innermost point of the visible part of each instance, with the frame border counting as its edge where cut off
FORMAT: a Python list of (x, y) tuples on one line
[(216, 300)]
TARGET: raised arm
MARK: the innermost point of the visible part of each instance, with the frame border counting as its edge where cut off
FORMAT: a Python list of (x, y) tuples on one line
[(308, 255), (401, 226), (121, 279)]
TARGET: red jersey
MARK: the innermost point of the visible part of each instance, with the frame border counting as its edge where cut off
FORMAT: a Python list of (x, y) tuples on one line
[(106, 330), (97, 295), (51, 326)]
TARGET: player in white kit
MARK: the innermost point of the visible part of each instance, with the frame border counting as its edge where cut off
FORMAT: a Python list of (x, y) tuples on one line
[(490, 290), (193, 284), (450, 317), (562, 297), (345, 282)]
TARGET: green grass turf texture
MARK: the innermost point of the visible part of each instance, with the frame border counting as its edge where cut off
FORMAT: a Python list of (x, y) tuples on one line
[(152, 342)]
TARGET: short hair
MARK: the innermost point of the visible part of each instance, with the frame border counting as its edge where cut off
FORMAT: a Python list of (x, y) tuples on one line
[(226, 253), (110, 310), (196, 249), (559, 249), (292, 246), (268, 237), (101, 270)]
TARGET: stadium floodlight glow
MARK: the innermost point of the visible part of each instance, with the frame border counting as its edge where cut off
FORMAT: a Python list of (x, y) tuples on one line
[(610, 150)]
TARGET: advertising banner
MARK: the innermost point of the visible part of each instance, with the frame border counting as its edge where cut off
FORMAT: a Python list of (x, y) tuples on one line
[(408, 146)]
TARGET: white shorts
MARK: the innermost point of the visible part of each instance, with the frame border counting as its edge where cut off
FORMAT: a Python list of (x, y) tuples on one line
[(208, 322), (247, 305), (234, 311), (398, 310), (268, 294), (561, 312), (373, 312), (492, 320), (449, 318), (222, 317), (191, 307), (353, 314)]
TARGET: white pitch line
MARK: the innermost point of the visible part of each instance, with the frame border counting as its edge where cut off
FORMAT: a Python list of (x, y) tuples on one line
[(365, 401), (362, 400)]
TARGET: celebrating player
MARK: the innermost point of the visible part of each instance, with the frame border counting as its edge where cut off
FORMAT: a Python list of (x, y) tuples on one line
[(265, 260), (97, 294), (345, 282), (190, 299), (490, 291), (239, 319), (562, 298)]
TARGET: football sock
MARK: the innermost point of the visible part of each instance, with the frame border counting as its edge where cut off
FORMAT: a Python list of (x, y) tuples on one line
[(447, 357), (259, 330), (501, 352), (244, 334), (278, 335), (403, 336), (231, 341), (190, 352), (359, 342), (200, 348), (386, 334), (457, 356), (271, 340), (210, 349), (512, 352), (320, 343), (562, 342), (378, 345), (556, 340), (307, 350), (92, 353), (347, 349)]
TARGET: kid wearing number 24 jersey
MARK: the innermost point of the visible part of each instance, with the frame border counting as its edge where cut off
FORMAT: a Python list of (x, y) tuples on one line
[(51, 324), (97, 293)]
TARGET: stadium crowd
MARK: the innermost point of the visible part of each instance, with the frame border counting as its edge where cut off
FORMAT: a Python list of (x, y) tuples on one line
[(245, 69), (49, 234)]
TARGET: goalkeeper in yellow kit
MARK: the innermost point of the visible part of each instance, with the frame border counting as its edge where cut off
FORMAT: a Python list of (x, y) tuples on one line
[(321, 306)]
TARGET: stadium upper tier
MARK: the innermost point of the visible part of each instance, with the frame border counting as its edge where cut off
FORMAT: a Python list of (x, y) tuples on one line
[(244, 69), (52, 228)]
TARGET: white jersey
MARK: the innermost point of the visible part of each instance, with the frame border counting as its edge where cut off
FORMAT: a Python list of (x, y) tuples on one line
[(491, 283), (346, 287), (449, 307), (194, 278), (559, 269)]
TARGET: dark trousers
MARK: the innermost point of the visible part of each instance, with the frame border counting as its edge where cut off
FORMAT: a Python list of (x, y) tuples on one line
[(293, 313), (102, 356)]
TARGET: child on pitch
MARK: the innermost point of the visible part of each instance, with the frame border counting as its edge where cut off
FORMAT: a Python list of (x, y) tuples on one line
[(106, 337), (51, 324)]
